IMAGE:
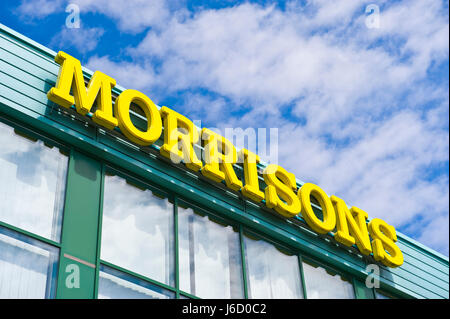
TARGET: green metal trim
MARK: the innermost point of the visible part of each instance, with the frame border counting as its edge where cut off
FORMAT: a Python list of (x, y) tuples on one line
[(244, 262), (429, 251), (355, 289), (99, 236), (134, 274), (80, 226), (302, 276), (177, 262), (27, 41), (29, 234), (47, 52)]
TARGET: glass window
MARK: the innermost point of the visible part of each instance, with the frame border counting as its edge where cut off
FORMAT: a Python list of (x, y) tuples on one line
[(113, 284), (33, 180), (209, 256), (321, 283), (137, 230), (272, 273), (28, 268)]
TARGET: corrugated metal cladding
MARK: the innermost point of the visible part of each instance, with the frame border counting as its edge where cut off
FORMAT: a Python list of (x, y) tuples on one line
[(28, 71)]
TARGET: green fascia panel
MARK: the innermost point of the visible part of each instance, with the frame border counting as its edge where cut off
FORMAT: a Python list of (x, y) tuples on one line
[(26, 103), (80, 228)]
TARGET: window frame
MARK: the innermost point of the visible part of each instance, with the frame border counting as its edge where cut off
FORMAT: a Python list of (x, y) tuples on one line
[(36, 136), (140, 183)]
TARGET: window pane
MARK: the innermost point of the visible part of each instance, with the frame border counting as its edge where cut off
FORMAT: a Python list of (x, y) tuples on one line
[(324, 284), (113, 284), (210, 257), (137, 230), (271, 272), (27, 267), (33, 179)]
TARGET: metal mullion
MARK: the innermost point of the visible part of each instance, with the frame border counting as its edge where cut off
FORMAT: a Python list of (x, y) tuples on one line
[(99, 233), (355, 290), (81, 209), (142, 277), (177, 271), (302, 276), (31, 235), (243, 261)]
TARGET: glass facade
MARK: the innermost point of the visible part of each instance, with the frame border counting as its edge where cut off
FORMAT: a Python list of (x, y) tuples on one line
[(152, 244)]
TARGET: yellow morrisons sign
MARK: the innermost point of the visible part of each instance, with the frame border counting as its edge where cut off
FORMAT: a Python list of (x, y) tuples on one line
[(180, 135)]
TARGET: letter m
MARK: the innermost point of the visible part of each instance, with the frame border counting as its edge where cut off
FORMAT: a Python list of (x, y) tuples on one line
[(70, 77)]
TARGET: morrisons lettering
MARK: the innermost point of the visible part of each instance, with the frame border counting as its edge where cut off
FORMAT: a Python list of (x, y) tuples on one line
[(180, 136)]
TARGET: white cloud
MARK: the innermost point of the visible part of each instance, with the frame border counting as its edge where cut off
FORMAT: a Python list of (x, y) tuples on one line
[(127, 74), (262, 56), (38, 8), (436, 233), (83, 39), (131, 15)]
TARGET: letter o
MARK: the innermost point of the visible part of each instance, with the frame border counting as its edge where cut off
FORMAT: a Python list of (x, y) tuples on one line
[(122, 111), (329, 216)]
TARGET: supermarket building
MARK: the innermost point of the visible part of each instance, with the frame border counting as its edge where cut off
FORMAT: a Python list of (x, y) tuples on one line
[(87, 211)]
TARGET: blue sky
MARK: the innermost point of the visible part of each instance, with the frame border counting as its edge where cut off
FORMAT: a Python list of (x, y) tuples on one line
[(362, 112)]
